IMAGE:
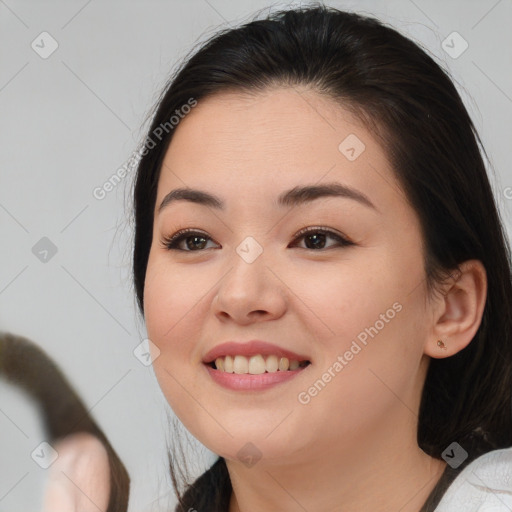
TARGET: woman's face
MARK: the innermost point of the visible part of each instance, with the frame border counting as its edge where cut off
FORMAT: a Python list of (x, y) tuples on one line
[(356, 312)]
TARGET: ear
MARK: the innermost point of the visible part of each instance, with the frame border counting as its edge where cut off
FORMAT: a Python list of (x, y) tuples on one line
[(458, 310)]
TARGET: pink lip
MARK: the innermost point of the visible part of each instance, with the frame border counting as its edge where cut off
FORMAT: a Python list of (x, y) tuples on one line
[(248, 382), (251, 348)]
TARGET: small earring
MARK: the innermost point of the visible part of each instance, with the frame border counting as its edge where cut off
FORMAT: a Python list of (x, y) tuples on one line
[(440, 344)]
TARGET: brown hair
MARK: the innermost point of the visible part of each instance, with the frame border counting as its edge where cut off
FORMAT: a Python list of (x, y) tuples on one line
[(27, 366)]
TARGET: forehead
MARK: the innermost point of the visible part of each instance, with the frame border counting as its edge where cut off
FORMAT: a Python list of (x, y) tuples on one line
[(264, 123), (261, 143)]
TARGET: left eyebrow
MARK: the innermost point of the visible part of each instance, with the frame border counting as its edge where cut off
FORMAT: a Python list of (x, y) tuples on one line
[(294, 197)]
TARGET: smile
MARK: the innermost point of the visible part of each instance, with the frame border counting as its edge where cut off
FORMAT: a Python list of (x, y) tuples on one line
[(256, 365), (243, 380)]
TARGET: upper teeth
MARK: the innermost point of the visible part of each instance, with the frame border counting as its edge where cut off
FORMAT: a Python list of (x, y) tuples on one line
[(255, 364)]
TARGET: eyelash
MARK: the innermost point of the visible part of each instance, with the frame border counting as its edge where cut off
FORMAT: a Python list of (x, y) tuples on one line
[(173, 241)]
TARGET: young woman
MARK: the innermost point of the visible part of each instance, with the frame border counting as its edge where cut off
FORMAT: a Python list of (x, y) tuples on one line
[(323, 273), (324, 277)]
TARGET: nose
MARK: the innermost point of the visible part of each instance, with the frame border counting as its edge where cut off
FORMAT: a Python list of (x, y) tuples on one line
[(249, 292)]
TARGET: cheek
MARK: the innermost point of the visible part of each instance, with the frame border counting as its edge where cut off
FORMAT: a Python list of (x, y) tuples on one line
[(170, 301), (371, 311), (342, 300), (159, 306), (173, 311)]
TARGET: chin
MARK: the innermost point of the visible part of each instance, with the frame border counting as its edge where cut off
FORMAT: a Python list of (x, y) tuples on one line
[(250, 450)]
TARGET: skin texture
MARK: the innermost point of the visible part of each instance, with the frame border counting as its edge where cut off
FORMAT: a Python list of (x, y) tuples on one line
[(353, 446), (79, 479)]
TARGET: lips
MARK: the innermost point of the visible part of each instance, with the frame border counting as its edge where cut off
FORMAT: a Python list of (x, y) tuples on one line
[(251, 348)]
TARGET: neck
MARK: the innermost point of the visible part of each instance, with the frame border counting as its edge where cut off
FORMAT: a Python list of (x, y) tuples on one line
[(378, 476)]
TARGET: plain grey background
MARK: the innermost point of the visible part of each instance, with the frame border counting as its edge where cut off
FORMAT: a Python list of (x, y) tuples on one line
[(70, 119)]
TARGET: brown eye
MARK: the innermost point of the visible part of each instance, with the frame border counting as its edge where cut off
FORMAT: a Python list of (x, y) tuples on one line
[(194, 241), (315, 238)]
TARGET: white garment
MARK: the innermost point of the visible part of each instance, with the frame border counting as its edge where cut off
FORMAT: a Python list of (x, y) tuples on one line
[(484, 485)]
